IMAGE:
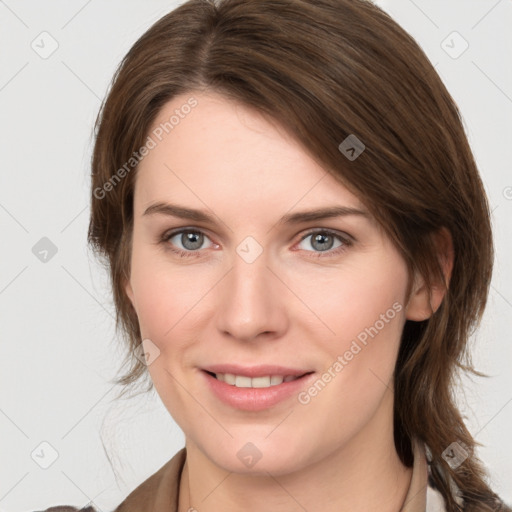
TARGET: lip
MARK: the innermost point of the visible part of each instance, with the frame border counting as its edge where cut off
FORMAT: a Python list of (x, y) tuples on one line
[(255, 399), (255, 371)]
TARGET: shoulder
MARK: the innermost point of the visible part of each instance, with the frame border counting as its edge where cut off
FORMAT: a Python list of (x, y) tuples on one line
[(159, 491)]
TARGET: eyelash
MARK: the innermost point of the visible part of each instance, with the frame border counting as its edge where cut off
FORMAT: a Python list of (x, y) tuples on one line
[(346, 242)]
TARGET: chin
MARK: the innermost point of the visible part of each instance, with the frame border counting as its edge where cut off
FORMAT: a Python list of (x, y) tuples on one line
[(258, 456)]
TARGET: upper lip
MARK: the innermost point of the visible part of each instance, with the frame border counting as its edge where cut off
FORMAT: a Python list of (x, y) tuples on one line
[(255, 371)]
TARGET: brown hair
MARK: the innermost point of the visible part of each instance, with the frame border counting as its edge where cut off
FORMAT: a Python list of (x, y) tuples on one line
[(326, 69)]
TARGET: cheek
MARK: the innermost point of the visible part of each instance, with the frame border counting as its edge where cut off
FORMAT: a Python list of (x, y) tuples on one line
[(359, 359), (363, 308), (165, 297), (366, 300), (370, 326), (164, 294)]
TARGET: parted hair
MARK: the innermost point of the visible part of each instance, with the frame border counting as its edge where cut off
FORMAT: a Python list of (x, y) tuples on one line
[(325, 70)]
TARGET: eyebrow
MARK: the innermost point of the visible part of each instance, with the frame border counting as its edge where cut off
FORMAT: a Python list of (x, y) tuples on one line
[(291, 218)]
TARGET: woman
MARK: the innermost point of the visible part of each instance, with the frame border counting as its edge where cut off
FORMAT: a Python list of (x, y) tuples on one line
[(299, 245)]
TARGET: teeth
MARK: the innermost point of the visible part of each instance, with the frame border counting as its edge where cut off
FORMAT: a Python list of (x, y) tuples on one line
[(276, 379), (260, 382), (241, 381), (229, 378)]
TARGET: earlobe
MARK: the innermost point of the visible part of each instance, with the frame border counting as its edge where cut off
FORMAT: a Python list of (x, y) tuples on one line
[(419, 307), (423, 305), (129, 291)]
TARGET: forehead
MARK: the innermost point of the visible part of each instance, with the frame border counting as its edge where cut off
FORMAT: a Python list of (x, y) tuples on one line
[(220, 151)]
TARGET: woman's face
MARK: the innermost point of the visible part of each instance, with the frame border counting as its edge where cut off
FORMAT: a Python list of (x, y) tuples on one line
[(259, 285)]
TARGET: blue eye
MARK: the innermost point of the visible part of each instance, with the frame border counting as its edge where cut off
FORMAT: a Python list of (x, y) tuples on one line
[(326, 241), (191, 241)]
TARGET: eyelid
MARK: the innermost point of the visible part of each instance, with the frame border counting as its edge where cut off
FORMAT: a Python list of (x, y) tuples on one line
[(174, 231), (346, 239), (167, 235), (340, 234)]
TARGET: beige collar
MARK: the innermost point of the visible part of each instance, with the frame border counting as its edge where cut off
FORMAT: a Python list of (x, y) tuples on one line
[(416, 498)]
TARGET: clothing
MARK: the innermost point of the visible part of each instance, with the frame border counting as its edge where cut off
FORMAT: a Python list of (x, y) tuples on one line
[(159, 493)]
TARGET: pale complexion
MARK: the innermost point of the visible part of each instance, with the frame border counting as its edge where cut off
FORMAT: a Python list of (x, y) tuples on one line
[(295, 305)]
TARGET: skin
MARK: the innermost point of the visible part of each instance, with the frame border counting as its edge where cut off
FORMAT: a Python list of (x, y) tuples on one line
[(288, 307)]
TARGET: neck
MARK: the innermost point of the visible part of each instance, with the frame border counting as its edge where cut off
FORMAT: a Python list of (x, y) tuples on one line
[(365, 474)]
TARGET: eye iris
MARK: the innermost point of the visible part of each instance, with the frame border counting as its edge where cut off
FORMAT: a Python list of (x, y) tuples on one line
[(192, 240), (322, 238)]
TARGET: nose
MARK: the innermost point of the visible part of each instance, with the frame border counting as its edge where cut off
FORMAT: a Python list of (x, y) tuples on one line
[(251, 302)]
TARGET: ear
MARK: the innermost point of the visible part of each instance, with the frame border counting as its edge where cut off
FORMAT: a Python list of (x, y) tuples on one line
[(129, 291), (421, 306)]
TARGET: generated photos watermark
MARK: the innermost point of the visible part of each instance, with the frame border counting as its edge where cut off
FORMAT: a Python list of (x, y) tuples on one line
[(152, 141), (357, 345)]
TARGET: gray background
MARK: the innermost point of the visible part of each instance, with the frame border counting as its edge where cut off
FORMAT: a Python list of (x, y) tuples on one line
[(59, 348)]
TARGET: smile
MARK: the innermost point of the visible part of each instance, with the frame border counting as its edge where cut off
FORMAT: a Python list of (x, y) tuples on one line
[(254, 393), (242, 381)]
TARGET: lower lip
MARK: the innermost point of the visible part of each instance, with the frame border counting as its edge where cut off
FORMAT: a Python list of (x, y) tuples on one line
[(255, 399)]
